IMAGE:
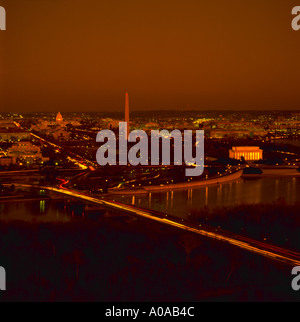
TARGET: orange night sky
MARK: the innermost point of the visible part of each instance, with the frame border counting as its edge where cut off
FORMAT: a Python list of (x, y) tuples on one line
[(75, 55)]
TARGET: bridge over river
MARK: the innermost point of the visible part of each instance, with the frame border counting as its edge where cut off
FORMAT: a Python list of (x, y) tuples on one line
[(264, 249)]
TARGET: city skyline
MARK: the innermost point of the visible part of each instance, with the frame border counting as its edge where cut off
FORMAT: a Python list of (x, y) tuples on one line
[(149, 152), (77, 55)]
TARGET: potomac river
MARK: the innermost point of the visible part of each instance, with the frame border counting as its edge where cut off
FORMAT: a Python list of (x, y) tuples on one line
[(241, 191), (177, 202)]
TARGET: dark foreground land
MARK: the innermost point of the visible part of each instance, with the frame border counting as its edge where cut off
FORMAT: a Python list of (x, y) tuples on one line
[(124, 259), (275, 223)]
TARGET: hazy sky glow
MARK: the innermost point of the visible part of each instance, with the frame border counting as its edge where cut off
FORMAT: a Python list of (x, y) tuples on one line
[(82, 55)]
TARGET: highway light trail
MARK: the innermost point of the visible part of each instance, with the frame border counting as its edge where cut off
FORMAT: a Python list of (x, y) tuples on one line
[(80, 164)]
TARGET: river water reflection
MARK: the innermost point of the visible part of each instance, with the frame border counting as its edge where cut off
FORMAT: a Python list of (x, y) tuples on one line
[(242, 191), (39, 211), (177, 202), (32, 211)]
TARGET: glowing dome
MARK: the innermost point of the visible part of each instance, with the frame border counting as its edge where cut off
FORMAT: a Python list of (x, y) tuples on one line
[(59, 118)]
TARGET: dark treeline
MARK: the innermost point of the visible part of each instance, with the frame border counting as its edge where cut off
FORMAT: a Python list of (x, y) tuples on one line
[(277, 223), (123, 259)]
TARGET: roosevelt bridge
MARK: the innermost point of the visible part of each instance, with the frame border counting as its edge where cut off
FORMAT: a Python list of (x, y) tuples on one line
[(273, 252)]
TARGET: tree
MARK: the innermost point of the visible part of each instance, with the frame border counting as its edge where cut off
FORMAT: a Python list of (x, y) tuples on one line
[(190, 242)]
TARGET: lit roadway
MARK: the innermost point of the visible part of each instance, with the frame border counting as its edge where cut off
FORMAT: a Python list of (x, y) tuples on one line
[(79, 161), (269, 251)]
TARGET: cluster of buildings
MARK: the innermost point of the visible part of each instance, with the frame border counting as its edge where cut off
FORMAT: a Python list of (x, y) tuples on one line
[(10, 132), (23, 152), (76, 129), (55, 129), (238, 134)]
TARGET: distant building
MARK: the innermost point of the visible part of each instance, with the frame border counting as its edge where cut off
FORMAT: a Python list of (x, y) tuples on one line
[(27, 151), (250, 153), (220, 134), (56, 129), (59, 118), (10, 132), (59, 134), (6, 161), (7, 124), (14, 135)]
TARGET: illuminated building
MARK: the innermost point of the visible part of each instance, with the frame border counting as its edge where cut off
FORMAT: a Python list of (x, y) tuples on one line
[(219, 133), (15, 135), (250, 153), (59, 118), (9, 132), (6, 161), (27, 151)]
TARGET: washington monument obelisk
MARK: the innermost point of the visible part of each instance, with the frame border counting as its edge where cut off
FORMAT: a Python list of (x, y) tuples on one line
[(127, 113)]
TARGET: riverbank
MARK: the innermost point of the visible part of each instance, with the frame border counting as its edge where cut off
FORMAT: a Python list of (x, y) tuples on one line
[(273, 172), (183, 185)]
